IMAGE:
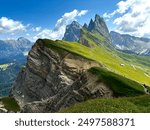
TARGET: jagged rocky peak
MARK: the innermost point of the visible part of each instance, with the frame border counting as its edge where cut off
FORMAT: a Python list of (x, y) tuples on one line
[(85, 26), (99, 26), (72, 32), (91, 25)]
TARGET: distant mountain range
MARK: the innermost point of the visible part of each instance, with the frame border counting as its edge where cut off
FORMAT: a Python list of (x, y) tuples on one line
[(131, 44), (14, 50)]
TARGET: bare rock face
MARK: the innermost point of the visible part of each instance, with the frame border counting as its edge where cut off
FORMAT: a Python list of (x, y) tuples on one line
[(55, 79), (84, 88), (72, 32), (99, 26)]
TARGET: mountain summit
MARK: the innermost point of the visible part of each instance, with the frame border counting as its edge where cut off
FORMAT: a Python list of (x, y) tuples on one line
[(99, 26), (72, 32)]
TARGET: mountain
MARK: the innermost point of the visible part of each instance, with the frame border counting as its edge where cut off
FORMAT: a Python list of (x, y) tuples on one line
[(60, 74), (130, 43), (57, 77), (72, 32), (13, 54), (14, 50), (99, 26)]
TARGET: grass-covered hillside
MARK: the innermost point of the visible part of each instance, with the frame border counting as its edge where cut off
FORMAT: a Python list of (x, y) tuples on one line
[(120, 85), (119, 105), (130, 66), (131, 96)]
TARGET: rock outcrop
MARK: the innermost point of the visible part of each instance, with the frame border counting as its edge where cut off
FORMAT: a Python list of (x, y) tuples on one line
[(84, 88), (55, 79), (74, 31), (99, 26)]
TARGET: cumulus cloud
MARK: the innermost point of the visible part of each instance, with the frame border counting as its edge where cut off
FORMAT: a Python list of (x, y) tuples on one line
[(60, 26), (134, 17), (122, 7), (10, 26)]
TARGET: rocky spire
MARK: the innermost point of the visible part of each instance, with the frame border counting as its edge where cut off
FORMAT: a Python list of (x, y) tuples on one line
[(85, 26), (91, 25), (99, 26)]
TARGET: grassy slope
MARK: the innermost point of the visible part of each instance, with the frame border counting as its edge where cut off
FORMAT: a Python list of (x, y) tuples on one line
[(112, 60), (119, 105), (120, 85)]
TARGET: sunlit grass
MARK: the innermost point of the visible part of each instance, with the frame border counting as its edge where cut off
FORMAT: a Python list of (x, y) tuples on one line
[(139, 104), (112, 60)]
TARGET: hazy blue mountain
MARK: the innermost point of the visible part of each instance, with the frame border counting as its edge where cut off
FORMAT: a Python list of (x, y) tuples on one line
[(14, 50), (130, 43)]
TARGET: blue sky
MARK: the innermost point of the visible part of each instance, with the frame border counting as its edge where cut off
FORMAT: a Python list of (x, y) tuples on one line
[(38, 18), (46, 12)]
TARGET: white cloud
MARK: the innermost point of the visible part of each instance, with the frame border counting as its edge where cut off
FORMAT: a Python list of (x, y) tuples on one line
[(45, 33), (36, 29), (82, 12), (133, 17), (60, 26), (122, 7), (10, 26)]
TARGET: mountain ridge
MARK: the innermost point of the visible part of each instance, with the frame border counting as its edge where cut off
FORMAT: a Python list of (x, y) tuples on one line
[(126, 42), (14, 49), (97, 26)]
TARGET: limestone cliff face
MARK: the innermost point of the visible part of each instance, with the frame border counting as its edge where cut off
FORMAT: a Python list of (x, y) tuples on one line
[(54, 79)]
